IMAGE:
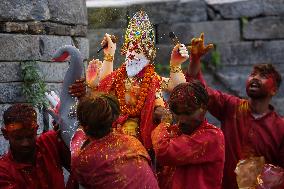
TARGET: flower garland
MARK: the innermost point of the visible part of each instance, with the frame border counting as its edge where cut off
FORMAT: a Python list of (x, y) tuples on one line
[(133, 111)]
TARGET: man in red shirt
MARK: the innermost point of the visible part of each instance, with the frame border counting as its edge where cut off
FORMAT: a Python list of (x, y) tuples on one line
[(192, 152), (105, 158), (251, 127), (31, 162)]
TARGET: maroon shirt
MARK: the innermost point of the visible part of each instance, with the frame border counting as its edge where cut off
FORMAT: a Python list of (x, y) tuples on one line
[(193, 161), (245, 135), (47, 172)]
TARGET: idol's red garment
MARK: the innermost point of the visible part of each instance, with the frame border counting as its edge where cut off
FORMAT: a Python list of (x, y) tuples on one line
[(146, 125), (245, 135), (116, 161), (47, 172), (193, 161)]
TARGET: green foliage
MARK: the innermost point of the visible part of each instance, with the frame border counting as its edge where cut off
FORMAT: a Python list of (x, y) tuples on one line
[(162, 69), (33, 85), (244, 20), (216, 58)]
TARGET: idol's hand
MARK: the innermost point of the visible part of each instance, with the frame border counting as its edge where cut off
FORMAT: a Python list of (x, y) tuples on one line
[(179, 55), (78, 88), (92, 73), (197, 47), (111, 46)]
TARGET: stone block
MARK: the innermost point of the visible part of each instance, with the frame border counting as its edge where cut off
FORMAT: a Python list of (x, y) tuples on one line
[(50, 71), (264, 28), (24, 10), (247, 8), (83, 45), (237, 8), (68, 11), (47, 28), (19, 47), (107, 17), (4, 145), (50, 44), (247, 53), (10, 71), (14, 27), (53, 71), (276, 102), (11, 92), (215, 31), (170, 12), (273, 7), (59, 29)]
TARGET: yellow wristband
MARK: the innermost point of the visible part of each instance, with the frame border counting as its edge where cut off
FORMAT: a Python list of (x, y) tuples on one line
[(108, 57), (175, 69)]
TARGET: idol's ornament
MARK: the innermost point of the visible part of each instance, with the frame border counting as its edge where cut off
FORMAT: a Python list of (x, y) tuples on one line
[(140, 32)]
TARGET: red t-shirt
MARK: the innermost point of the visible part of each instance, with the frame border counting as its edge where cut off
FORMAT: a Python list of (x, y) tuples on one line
[(47, 173), (112, 162), (193, 161), (245, 135)]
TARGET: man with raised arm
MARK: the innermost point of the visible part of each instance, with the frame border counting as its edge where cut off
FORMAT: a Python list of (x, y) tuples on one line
[(253, 130)]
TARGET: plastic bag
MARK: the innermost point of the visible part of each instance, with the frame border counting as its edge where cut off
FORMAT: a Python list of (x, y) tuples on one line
[(247, 171), (271, 177)]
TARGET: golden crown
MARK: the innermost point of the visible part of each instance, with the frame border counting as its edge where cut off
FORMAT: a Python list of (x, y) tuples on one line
[(140, 31)]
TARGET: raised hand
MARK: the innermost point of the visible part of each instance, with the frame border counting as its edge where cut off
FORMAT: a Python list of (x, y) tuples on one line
[(179, 55), (111, 46), (197, 47), (78, 88), (92, 73)]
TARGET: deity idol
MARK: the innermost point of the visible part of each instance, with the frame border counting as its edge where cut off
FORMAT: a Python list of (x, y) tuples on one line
[(135, 83)]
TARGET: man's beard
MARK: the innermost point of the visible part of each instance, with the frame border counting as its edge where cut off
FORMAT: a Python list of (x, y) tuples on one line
[(134, 66), (260, 93)]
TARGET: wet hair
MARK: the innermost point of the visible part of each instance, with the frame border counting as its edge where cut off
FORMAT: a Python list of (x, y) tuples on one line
[(193, 95), (269, 69), (98, 113), (20, 113)]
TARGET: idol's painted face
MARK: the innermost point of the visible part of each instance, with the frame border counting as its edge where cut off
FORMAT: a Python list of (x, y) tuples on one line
[(260, 85), (188, 120), (135, 60)]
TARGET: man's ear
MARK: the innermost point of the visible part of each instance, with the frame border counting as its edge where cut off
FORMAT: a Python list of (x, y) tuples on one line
[(4, 132), (274, 90)]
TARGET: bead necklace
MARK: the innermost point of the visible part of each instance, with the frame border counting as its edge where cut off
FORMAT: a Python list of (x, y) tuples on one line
[(133, 111)]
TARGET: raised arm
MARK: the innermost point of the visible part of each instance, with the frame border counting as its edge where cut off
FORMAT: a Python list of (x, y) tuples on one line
[(197, 50), (219, 101), (109, 51), (178, 56), (98, 70)]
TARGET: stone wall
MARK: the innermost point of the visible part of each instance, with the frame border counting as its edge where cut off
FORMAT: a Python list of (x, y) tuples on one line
[(33, 31), (245, 32)]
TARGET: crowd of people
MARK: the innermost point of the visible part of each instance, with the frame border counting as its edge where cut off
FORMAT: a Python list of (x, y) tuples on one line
[(130, 137)]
